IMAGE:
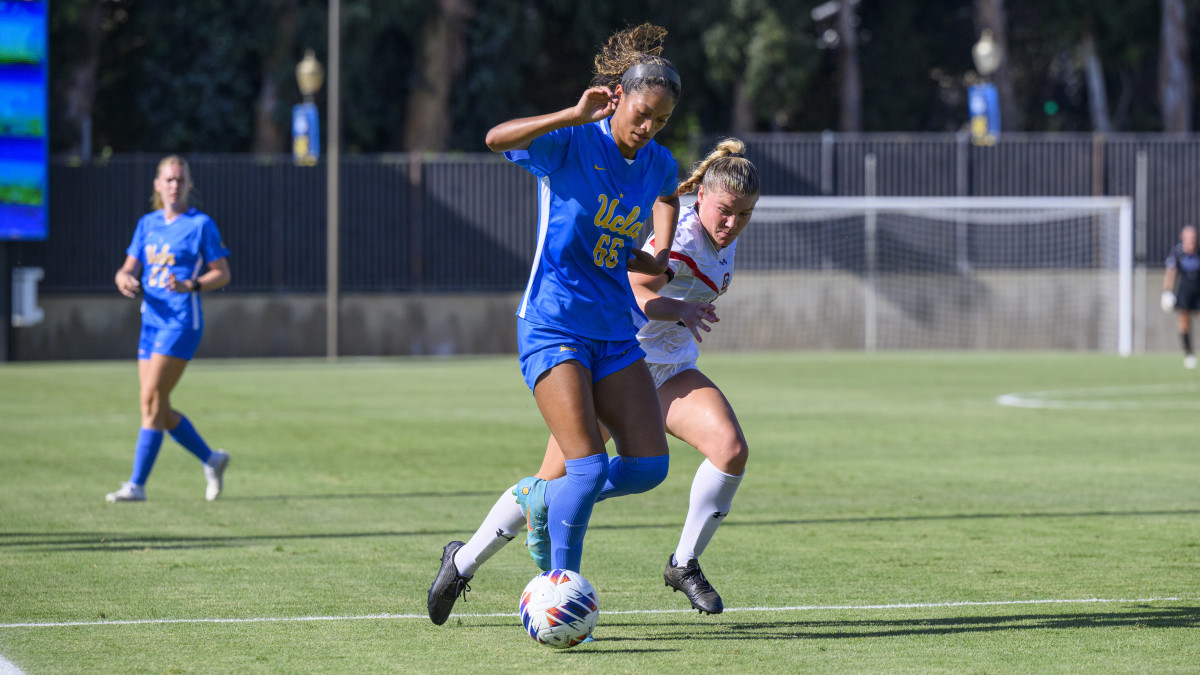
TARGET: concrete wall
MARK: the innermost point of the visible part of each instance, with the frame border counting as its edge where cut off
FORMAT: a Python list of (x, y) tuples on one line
[(1001, 310), (242, 325)]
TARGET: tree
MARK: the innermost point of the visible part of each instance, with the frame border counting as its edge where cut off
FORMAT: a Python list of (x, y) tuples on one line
[(443, 53), (849, 75), (80, 24), (758, 54), (1174, 71), (271, 132), (1085, 64), (217, 75), (1097, 90), (914, 56)]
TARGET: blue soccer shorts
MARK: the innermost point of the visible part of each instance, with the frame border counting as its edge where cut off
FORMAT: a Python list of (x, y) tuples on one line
[(542, 347), (178, 342)]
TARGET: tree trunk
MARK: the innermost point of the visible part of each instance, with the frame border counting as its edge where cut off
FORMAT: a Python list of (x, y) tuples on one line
[(992, 15), (742, 121), (1097, 92), (1174, 72), (80, 89), (427, 124), (849, 75), (269, 134)]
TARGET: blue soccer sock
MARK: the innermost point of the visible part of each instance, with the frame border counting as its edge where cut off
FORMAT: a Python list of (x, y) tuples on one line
[(631, 475), (569, 502), (148, 443), (185, 434)]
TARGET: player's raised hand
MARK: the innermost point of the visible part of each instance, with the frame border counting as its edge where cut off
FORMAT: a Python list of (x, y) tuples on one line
[(595, 104), (696, 316), (128, 285)]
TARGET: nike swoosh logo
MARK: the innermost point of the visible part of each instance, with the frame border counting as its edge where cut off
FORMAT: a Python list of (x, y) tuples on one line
[(570, 525), (599, 168)]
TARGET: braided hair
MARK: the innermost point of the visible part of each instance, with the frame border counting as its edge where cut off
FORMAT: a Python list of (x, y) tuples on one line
[(621, 58)]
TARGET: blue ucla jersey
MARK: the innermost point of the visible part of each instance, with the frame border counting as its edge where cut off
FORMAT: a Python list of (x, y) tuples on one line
[(181, 248), (593, 207)]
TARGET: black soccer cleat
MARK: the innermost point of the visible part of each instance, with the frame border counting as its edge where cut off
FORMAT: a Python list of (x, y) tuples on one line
[(447, 587), (691, 581)]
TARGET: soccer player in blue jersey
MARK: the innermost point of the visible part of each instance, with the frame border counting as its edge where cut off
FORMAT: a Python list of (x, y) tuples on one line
[(678, 303), (176, 254), (601, 178)]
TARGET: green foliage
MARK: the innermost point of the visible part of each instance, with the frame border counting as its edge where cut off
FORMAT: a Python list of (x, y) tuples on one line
[(904, 47), (768, 46), (185, 75), (1045, 41), (874, 481), (380, 40)]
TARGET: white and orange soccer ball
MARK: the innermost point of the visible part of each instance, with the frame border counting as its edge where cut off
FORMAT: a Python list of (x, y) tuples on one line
[(559, 609)]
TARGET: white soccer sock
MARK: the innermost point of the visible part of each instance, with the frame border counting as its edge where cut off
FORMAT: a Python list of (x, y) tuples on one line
[(712, 496), (501, 526)]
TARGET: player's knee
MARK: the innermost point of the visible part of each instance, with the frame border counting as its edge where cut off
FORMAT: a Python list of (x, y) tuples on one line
[(728, 451), (151, 402), (155, 409), (640, 474)]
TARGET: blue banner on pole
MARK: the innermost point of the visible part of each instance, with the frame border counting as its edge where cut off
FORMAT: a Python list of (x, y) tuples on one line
[(984, 105), (306, 134)]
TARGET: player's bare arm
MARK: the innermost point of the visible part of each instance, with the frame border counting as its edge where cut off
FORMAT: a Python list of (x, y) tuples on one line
[(594, 105), (127, 277), (695, 316), (665, 217), (215, 277)]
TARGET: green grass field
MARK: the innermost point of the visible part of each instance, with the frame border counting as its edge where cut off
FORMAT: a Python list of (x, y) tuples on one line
[(894, 518)]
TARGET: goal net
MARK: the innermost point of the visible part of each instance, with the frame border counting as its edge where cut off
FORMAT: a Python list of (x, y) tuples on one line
[(986, 273)]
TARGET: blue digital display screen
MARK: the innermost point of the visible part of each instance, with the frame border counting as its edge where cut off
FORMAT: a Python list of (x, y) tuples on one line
[(23, 120)]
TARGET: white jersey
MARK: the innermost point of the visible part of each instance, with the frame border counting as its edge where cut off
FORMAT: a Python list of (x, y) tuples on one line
[(702, 272)]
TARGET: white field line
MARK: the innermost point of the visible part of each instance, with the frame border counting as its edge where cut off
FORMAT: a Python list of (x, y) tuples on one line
[(8, 667), (1131, 397), (788, 608)]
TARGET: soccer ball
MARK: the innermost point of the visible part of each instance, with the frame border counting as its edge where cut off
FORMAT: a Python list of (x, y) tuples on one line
[(559, 609)]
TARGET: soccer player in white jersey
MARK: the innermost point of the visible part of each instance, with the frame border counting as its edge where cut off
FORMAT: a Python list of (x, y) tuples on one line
[(679, 306)]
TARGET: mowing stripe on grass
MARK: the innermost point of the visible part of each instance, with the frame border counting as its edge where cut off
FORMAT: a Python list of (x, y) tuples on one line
[(788, 608)]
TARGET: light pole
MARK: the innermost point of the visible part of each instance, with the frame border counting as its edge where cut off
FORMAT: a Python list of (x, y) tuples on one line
[(331, 180), (306, 148)]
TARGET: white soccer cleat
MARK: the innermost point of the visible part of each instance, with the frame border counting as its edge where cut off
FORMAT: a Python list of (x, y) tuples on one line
[(129, 492), (214, 472), (1189, 362)]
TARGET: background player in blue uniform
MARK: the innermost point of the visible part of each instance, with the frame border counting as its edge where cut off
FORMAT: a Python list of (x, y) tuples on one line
[(176, 253), (1181, 288), (601, 178)]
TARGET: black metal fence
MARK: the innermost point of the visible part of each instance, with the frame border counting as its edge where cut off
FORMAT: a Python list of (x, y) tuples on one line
[(467, 222)]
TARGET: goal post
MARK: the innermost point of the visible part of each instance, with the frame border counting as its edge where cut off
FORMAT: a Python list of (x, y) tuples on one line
[(887, 273)]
